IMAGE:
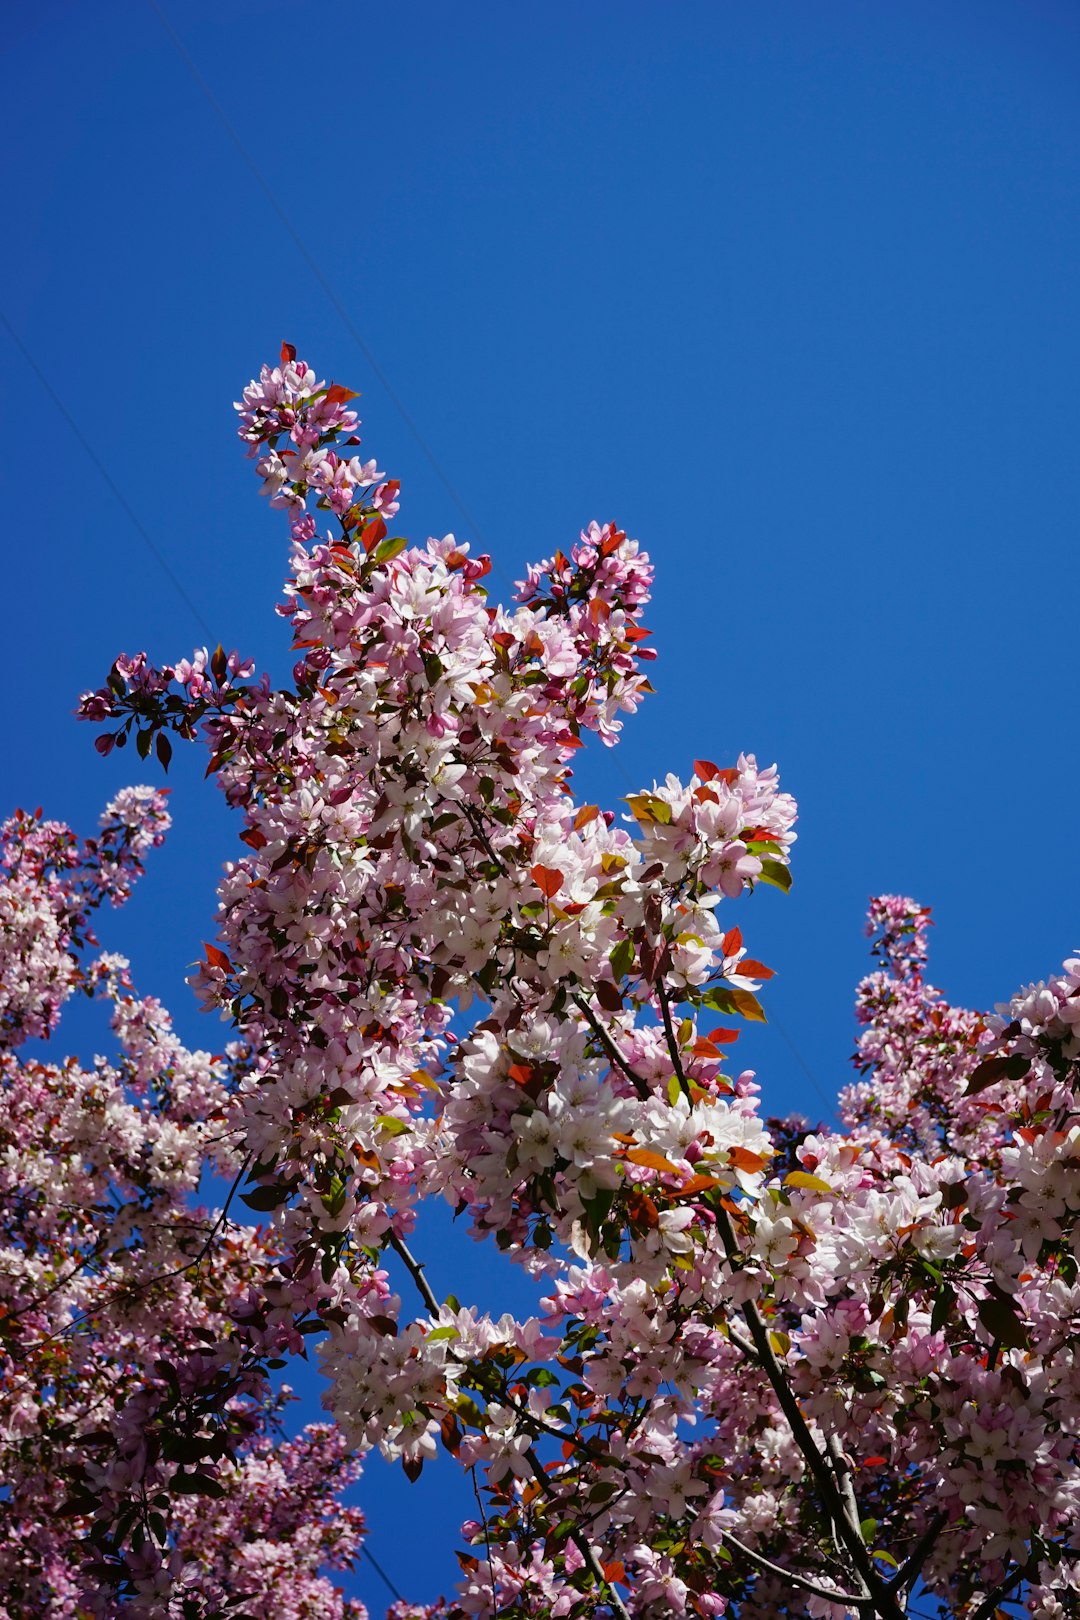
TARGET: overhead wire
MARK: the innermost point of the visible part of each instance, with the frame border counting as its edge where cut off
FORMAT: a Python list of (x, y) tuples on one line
[(106, 476)]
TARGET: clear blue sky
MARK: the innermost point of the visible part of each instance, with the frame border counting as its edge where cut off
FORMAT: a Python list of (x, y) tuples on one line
[(789, 289)]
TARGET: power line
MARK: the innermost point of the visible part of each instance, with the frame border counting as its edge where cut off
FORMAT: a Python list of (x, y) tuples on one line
[(107, 477), (374, 1562), (312, 264), (801, 1061)]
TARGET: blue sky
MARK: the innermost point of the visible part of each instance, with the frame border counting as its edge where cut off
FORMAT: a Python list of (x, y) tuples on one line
[(788, 289)]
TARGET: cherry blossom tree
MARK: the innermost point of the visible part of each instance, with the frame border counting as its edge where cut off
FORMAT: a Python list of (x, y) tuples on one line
[(774, 1369)]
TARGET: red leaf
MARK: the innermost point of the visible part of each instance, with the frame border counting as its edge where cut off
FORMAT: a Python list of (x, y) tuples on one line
[(288, 352), (587, 813), (607, 994), (253, 837), (756, 970), (547, 880), (413, 1468), (743, 1159), (732, 941), (705, 1045), (521, 1073), (217, 958), (372, 533), (614, 1572), (336, 395), (705, 770)]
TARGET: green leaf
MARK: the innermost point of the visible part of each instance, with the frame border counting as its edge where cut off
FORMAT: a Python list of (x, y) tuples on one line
[(868, 1529), (390, 1125), (449, 1332), (724, 1000), (776, 874), (392, 546), (622, 958)]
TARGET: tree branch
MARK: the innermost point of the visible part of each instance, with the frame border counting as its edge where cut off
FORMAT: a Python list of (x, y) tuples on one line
[(640, 1086), (907, 1573), (986, 1608), (801, 1581), (416, 1272)]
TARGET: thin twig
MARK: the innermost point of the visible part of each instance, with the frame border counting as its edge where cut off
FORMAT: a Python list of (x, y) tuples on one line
[(487, 1542)]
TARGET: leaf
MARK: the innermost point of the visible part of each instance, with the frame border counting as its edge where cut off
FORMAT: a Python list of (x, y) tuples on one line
[(999, 1317), (993, 1069), (217, 958), (288, 352), (650, 1160), (803, 1178), (587, 813), (706, 1045), (743, 1159), (391, 547), (755, 969), (732, 942), (337, 395), (705, 770), (775, 873), (647, 807), (413, 1468), (721, 998), (695, 1185), (547, 880), (391, 1125), (196, 1485), (265, 1198), (943, 1307), (164, 750), (372, 532), (622, 958)]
